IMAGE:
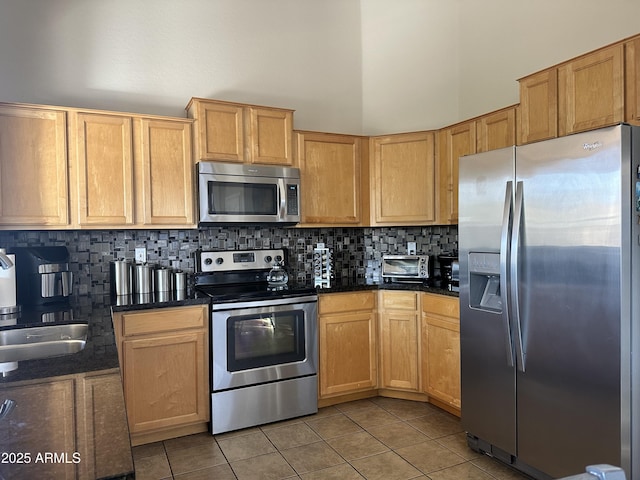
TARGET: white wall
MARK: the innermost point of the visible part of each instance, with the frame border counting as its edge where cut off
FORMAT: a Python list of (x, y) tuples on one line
[(152, 56), (352, 66)]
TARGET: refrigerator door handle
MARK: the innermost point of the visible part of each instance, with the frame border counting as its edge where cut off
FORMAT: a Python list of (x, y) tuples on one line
[(505, 254), (514, 267)]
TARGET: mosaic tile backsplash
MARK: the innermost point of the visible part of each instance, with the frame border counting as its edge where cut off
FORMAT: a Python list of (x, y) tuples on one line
[(357, 252)]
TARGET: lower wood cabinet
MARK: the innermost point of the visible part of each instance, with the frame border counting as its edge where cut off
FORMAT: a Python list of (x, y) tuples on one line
[(164, 356), (440, 341), (348, 346), (70, 427), (399, 340)]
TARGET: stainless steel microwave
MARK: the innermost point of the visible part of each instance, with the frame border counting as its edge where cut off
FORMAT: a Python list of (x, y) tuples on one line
[(405, 268), (232, 193)]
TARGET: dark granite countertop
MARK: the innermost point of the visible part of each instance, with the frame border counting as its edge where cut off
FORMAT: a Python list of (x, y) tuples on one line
[(100, 351)]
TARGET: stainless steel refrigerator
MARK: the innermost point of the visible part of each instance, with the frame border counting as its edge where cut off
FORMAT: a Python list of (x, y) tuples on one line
[(549, 248)]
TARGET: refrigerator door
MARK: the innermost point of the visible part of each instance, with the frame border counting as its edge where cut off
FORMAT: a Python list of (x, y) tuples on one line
[(486, 344), (566, 253)]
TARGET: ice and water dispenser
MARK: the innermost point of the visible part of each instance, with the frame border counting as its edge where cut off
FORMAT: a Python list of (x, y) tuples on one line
[(484, 281)]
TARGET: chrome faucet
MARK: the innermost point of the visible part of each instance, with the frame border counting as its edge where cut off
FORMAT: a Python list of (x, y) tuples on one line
[(5, 261)]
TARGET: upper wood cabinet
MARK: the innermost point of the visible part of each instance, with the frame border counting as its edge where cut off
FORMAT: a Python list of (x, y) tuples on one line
[(33, 167), (102, 161), (496, 130), (334, 178), (591, 91), (538, 119), (347, 336), (632, 81), (453, 142), (403, 179), (164, 172), (235, 132)]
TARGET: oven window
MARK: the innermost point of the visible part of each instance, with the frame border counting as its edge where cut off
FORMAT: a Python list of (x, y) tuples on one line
[(265, 339), (230, 198), (402, 267)]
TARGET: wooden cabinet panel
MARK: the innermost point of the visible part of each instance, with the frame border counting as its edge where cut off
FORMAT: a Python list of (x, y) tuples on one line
[(632, 81), (105, 439), (103, 160), (347, 339), (33, 167), (164, 357), (453, 142), (403, 179), (41, 422), (496, 130), (538, 106), (440, 331), (399, 340), (331, 174), (347, 336), (165, 381), (235, 132), (271, 136), (219, 130), (165, 172), (591, 90)]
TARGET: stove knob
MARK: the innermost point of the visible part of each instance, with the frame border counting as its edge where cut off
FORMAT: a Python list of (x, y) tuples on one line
[(219, 261), (278, 258), (208, 261), (267, 259)]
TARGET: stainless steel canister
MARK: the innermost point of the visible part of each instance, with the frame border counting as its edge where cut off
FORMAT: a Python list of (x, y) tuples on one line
[(121, 272), (144, 278), (163, 279), (180, 281)]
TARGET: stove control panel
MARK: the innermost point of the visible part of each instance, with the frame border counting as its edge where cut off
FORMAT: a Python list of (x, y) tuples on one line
[(234, 260)]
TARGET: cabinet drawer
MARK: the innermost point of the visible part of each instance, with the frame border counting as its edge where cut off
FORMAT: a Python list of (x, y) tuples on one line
[(399, 300), (441, 305), (163, 320), (345, 302)]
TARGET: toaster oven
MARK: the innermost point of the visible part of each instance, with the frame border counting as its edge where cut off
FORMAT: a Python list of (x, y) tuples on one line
[(405, 268)]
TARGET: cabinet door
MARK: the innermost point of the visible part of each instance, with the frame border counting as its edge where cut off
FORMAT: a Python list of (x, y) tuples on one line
[(101, 411), (41, 423), (441, 367), (399, 340), (331, 176), (166, 172), (165, 381), (347, 339), (403, 179), (538, 106), (454, 142), (270, 136), (632, 81), (33, 167), (219, 129), (496, 130), (591, 91), (104, 164)]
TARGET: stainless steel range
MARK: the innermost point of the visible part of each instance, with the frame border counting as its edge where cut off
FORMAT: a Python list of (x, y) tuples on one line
[(264, 340)]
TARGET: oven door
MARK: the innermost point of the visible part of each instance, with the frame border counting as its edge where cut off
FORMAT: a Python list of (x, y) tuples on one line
[(263, 341)]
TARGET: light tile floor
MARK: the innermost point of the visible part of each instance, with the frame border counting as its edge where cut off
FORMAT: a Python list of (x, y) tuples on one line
[(375, 439)]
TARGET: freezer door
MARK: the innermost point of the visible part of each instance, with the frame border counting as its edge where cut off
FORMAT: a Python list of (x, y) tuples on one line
[(567, 249), (486, 344)]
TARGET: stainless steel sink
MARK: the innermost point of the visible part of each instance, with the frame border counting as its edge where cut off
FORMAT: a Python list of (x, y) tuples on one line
[(42, 342)]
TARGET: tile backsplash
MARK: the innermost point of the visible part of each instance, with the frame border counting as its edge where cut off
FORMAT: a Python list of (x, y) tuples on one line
[(356, 251)]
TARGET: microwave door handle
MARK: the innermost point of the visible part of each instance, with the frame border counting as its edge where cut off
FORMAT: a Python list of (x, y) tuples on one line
[(281, 199)]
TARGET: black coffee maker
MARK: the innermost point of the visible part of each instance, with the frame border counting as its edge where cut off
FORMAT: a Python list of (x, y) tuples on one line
[(448, 262), (42, 276)]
